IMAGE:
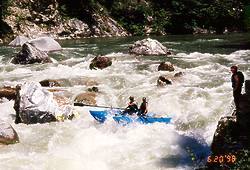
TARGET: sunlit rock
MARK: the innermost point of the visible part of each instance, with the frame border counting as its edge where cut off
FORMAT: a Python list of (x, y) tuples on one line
[(148, 47), (45, 44), (100, 62), (74, 28), (30, 54), (163, 81), (35, 104), (19, 41), (8, 134), (41, 17), (166, 66), (8, 92), (86, 98)]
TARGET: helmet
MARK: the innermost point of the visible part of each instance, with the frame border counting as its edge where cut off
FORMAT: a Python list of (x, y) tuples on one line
[(131, 98), (144, 99)]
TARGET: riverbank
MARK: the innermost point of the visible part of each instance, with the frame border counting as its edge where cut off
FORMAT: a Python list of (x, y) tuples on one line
[(63, 20)]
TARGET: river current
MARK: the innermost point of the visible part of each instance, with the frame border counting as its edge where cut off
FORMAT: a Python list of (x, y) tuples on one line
[(195, 101)]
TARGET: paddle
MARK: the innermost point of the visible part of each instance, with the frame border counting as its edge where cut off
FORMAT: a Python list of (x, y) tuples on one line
[(82, 104)]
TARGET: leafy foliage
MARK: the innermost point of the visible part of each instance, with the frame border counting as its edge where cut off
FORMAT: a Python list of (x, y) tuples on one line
[(161, 16)]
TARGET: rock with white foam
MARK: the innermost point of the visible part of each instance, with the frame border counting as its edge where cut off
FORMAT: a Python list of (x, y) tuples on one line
[(30, 54), (35, 104), (8, 135), (148, 47)]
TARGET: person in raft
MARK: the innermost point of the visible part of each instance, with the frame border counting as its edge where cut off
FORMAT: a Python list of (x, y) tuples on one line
[(143, 110), (132, 107)]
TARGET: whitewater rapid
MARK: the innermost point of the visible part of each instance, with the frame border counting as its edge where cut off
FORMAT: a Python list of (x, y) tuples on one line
[(195, 101)]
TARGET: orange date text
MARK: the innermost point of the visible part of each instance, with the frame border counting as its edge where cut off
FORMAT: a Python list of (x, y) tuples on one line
[(222, 159)]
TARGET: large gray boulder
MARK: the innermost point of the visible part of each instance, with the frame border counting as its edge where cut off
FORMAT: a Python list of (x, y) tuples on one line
[(45, 44), (35, 104), (30, 54), (148, 47), (19, 41), (8, 134)]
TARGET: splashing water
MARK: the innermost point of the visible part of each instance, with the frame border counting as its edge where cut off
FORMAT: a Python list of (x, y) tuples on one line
[(195, 101)]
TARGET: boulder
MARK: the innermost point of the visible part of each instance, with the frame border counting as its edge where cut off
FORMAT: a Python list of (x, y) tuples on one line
[(100, 62), (8, 92), (50, 83), (93, 89), (19, 41), (86, 98), (45, 44), (179, 74), (29, 55), (163, 80), (166, 66), (8, 134), (35, 104), (148, 47)]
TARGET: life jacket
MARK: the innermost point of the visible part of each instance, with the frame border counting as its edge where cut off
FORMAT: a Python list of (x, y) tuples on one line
[(132, 108), (241, 79)]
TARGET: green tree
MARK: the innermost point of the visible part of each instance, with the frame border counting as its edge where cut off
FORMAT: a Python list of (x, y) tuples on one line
[(225, 13)]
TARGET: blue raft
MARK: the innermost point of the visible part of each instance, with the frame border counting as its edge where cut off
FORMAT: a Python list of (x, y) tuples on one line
[(101, 116)]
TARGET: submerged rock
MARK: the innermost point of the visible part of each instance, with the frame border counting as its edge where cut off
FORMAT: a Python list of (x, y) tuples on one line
[(179, 74), (8, 134), (163, 81), (166, 66), (50, 83), (86, 98), (29, 55), (8, 92), (93, 89), (34, 104), (148, 47), (100, 62)]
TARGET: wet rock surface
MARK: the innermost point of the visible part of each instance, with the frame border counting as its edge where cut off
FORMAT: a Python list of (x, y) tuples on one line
[(86, 98), (166, 66), (8, 135), (148, 47), (34, 104), (163, 81), (8, 92), (30, 54), (100, 62)]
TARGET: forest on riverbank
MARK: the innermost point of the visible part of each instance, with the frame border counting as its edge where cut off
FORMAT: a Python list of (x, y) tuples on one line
[(142, 17)]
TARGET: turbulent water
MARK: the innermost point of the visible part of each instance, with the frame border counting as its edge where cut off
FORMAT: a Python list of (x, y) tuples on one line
[(195, 101)]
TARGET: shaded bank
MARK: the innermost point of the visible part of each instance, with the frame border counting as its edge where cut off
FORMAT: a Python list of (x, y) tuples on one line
[(99, 18)]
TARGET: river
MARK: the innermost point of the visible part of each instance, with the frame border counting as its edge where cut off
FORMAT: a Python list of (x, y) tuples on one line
[(195, 101)]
